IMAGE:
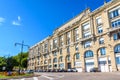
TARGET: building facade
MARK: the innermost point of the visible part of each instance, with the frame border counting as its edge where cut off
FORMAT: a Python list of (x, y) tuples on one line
[(91, 39)]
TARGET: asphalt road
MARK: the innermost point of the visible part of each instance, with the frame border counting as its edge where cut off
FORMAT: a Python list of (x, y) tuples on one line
[(75, 76)]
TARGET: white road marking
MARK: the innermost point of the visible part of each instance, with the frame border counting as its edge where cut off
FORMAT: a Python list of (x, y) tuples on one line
[(23, 79), (35, 78), (50, 78)]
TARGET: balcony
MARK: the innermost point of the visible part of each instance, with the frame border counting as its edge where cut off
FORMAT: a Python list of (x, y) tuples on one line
[(86, 38)]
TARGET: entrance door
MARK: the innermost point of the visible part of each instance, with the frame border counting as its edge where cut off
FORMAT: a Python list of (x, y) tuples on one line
[(69, 65)]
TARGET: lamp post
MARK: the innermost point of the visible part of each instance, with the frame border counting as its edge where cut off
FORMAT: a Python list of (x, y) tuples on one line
[(22, 45)]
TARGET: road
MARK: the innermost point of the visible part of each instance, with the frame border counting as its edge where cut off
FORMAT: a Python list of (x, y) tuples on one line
[(75, 76)]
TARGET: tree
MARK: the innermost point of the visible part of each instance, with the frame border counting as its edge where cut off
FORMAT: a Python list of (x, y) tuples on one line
[(2, 62)]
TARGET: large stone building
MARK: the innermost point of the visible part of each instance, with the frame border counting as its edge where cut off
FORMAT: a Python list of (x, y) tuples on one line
[(91, 39)]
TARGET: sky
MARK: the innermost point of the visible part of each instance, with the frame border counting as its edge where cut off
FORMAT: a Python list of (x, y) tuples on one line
[(33, 20)]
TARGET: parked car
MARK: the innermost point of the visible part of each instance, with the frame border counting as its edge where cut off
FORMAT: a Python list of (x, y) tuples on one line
[(30, 71), (94, 69), (69, 70), (74, 70)]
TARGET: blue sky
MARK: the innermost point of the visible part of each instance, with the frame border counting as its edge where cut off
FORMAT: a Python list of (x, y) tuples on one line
[(33, 20)]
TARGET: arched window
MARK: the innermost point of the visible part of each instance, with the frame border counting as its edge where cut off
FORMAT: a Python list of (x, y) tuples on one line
[(103, 51), (77, 56), (88, 54), (117, 49), (54, 60), (68, 57)]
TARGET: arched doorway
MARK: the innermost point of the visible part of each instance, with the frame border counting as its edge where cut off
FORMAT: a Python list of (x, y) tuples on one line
[(68, 62), (77, 62), (117, 56), (89, 60), (103, 61)]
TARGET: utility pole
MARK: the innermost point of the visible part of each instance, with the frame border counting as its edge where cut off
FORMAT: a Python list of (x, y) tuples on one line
[(22, 45)]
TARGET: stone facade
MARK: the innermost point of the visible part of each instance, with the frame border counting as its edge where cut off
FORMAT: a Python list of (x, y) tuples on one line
[(91, 39)]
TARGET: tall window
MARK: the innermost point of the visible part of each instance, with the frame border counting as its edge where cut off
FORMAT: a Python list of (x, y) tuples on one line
[(61, 59), (61, 41), (101, 41), (61, 51), (86, 30), (117, 49), (118, 60), (99, 20), (76, 34), (76, 47), (100, 29), (87, 44), (50, 46), (68, 49), (54, 60), (116, 36), (103, 51), (68, 57), (88, 54), (77, 56), (68, 38), (45, 47), (55, 43)]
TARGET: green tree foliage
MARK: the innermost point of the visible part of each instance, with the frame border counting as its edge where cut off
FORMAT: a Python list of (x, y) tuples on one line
[(2, 62), (13, 61)]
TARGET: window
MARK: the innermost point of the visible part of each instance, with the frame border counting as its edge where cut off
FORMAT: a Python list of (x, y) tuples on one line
[(116, 36), (98, 20), (87, 44), (103, 51), (76, 34), (117, 49), (86, 26), (61, 66), (61, 51), (88, 54), (61, 41), (45, 62), (68, 38), (87, 34), (115, 24), (76, 47), (55, 53), (54, 60), (114, 13), (50, 46), (55, 43), (100, 29), (68, 58), (77, 56), (118, 60), (68, 49), (101, 41), (61, 59)]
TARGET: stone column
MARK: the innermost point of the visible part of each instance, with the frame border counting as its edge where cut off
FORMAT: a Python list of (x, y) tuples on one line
[(83, 63), (96, 60), (113, 62)]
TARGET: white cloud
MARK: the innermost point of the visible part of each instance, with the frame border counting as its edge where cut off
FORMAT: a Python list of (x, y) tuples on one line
[(17, 22), (2, 20), (19, 18)]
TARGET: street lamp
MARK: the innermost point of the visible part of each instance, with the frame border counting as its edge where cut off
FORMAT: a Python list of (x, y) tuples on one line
[(22, 45)]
